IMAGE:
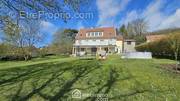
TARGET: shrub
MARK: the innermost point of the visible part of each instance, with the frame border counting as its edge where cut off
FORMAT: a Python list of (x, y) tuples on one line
[(159, 49), (12, 58)]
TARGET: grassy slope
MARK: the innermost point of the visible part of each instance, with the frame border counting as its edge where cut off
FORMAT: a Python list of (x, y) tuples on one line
[(54, 78)]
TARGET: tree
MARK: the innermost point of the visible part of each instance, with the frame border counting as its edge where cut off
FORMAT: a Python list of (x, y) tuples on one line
[(139, 26), (123, 31), (31, 36), (174, 41), (12, 32), (15, 7), (3, 49), (63, 40), (24, 37), (136, 29)]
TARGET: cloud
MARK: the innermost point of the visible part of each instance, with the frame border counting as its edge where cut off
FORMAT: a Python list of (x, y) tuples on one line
[(171, 21), (156, 18), (153, 14), (48, 27), (108, 9), (130, 17)]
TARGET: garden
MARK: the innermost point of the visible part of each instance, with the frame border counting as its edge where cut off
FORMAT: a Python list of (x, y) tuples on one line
[(55, 78)]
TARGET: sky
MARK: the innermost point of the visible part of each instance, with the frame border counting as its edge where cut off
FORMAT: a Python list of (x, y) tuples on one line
[(159, 14)]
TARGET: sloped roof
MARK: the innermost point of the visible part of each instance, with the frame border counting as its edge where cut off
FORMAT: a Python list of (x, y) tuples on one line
[(108, 32)]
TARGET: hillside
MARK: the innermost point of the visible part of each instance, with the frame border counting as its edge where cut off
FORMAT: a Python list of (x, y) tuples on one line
[(165, 31)]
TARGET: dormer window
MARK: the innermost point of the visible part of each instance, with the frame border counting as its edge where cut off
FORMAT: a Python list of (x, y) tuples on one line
[(94, 34)]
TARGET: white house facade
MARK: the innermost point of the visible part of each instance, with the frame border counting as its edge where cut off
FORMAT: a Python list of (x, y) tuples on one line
[(90, 41)]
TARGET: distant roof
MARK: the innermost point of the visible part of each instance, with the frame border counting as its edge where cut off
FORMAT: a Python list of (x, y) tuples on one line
[(108, 32), (151, 38)]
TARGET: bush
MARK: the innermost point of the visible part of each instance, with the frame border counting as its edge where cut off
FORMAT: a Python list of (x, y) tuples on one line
[(159, 49), (13, 58)]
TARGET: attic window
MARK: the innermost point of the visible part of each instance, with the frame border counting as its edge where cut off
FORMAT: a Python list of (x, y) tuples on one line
[(94, 34)]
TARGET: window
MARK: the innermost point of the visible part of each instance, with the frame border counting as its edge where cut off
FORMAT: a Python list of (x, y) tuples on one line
[(101, 40), (100, 33), (94, 40), (129, 42), (82, 49), (94, 34)]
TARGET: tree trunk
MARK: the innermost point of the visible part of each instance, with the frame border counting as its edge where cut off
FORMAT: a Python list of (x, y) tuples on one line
[(176, 58), (27, 57)]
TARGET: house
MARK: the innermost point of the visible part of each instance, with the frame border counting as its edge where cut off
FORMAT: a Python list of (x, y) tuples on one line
[(152, 38), (93, 40)]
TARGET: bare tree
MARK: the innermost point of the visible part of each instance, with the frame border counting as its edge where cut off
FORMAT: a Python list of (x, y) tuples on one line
[(136, 30), (174, 41), (21, 35), (32, 35), (24, 37), (137, 27)]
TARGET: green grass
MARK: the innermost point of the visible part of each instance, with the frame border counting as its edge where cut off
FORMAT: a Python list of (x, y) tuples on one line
[(12, 64), (55, 78)]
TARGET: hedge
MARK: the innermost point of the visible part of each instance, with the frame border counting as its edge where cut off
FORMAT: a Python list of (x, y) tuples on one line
[(159, 49)]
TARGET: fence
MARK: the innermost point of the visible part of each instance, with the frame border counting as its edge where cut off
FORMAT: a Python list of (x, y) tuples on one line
[(137, 55)]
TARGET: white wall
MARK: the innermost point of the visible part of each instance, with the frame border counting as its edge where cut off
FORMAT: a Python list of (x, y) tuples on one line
[(96, 42), (119, 45), (129, 48)]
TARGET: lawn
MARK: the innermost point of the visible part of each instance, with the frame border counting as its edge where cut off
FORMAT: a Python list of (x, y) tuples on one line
[(55, 78)]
